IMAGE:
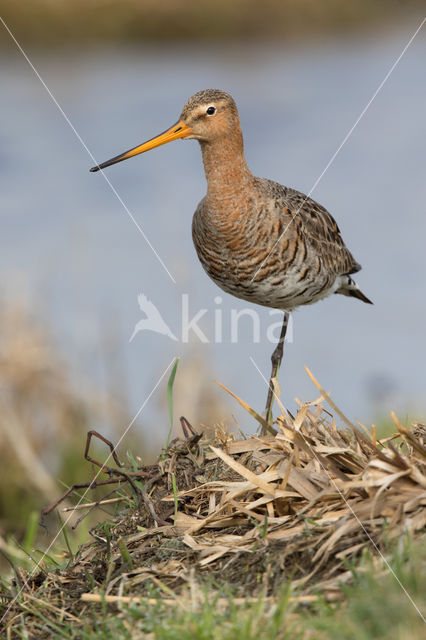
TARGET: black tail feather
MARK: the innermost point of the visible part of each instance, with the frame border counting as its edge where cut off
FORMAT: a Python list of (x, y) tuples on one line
[(352, 290), (357, 293)]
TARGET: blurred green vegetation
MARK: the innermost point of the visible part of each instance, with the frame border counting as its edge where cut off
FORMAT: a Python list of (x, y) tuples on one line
[(62, 22)]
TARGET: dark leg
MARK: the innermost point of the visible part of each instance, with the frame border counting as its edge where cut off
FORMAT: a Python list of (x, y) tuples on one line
[(276, 359)]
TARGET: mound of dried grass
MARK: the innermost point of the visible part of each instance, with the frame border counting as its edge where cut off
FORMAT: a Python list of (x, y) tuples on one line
[(252, 513), (256, 512)]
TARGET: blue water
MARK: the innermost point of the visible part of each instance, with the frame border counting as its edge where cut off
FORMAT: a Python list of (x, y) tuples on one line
[(71, 248)]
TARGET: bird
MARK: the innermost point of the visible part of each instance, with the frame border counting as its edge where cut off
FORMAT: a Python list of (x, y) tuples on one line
[(257, 239), (153, 320)]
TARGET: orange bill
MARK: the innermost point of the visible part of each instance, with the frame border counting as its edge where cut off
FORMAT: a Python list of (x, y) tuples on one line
[(178, 130)]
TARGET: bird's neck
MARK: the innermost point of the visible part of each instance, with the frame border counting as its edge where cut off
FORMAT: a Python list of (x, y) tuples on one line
[(228, 176)]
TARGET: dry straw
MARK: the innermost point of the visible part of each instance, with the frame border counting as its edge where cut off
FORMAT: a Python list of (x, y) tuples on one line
[(253, 513)]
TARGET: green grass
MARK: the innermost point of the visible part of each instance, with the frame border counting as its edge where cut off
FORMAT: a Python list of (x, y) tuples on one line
[(378, 607), (375, 607), (169, 392)]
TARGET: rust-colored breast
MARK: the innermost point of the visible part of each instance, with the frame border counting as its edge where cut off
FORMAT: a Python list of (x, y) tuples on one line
[(273, 246)]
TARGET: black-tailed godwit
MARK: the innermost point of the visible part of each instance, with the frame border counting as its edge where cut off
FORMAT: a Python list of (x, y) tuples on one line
[(256, 239)]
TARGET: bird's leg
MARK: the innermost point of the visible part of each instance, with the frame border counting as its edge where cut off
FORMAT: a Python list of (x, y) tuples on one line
[(276, 359)]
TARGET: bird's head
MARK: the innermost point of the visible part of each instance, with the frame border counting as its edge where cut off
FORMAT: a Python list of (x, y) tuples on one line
[(210, 114), (207, 116)]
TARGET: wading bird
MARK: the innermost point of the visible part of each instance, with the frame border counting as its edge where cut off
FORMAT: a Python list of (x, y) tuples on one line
[(256, 239)]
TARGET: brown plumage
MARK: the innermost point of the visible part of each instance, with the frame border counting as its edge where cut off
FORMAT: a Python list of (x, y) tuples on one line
[(258, 240)]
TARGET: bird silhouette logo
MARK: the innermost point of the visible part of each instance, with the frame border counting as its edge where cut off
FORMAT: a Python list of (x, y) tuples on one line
[(153, 320)]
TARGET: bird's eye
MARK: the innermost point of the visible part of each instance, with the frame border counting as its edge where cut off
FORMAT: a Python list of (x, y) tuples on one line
[(211, 111)]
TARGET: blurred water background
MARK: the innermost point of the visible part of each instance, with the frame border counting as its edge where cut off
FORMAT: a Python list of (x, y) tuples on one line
[(70, 251)]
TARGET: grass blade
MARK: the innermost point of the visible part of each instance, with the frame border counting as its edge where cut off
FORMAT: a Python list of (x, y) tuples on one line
[(170, 399)]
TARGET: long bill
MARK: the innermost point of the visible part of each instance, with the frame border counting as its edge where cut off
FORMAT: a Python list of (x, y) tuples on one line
[(178, 130)]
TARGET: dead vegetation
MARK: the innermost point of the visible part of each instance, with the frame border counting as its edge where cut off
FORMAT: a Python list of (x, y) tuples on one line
[(300, 505), (46, 408)]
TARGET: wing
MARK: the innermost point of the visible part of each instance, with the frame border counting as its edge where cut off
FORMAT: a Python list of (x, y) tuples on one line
[(319, 230), (149, 308)]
